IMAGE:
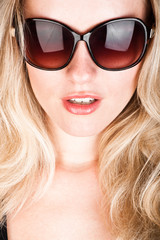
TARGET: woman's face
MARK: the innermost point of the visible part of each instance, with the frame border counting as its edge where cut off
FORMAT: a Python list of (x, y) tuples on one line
[(82, 77)]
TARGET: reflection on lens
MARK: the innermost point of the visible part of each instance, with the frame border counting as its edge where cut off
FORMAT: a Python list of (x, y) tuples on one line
[(118, 44), (48, 45)]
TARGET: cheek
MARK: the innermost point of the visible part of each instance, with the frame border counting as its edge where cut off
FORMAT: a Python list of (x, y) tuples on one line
[(124, 90), (42, 83), (119, 91), (121, 85)]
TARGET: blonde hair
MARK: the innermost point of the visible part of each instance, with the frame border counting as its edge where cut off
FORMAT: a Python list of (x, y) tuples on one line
[(26, 152), (129, 166)]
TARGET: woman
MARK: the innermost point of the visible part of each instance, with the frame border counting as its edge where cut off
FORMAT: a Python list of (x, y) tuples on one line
[(80, 127)]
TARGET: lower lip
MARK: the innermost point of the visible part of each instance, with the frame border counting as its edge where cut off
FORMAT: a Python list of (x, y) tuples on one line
[(79, 109)]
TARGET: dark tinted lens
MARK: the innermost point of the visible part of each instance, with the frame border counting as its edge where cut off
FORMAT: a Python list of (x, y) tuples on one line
[(48, 45), (118, 44)]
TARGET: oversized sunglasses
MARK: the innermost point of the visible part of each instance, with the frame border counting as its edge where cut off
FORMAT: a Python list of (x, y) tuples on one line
[(113, 45)]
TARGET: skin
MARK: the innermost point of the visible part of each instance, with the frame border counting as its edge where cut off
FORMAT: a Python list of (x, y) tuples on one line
[(76, 136), (82, 76)]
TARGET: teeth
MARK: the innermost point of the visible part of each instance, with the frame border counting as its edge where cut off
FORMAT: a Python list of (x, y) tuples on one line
[(82, 101)]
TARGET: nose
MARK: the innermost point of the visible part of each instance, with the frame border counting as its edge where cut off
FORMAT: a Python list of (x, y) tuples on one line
[(81, 69)]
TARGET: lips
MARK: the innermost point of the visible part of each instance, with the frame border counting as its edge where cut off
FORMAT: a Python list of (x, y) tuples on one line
[(81, 104)]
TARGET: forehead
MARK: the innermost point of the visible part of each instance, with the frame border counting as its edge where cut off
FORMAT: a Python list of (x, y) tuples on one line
[(82, 15)]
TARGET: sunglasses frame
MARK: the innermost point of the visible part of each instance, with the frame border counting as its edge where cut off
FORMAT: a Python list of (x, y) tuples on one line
[(148, 31)]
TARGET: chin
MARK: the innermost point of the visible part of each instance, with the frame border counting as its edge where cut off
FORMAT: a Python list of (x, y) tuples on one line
[(82, 132)]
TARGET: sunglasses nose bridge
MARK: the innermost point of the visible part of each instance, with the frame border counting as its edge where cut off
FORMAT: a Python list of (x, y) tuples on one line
[(79, 37), (85, 37)]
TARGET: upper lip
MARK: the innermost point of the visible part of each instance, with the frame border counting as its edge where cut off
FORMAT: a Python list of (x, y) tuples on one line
[(82, 95)]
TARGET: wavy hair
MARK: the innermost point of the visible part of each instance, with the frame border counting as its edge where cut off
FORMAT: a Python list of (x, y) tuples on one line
[(26, 153), (129, 150), (129, 153)]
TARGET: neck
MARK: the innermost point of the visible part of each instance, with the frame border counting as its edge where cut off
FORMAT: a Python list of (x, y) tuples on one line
[(72, 152)]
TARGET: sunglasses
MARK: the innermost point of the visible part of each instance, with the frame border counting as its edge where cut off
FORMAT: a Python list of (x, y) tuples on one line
[(114, 45)]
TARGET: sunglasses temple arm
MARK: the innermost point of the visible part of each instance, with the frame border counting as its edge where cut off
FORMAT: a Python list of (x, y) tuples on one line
[(13, 32), (152, 33)]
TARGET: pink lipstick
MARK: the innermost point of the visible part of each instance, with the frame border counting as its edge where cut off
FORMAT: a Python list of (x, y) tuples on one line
[(81, 104)]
